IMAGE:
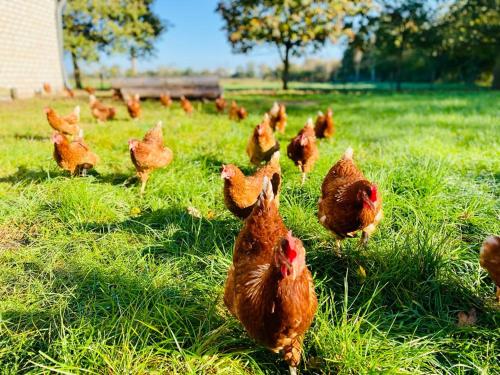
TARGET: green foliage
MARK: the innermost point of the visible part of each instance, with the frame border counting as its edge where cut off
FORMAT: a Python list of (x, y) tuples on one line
[(470, 40), (292, 26), (94, 279), (419, 40), (95, 26), (86, 28), (135, 27)]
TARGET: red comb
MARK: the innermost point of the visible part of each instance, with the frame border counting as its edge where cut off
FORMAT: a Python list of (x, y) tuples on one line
[(373, 193), (290, 251)]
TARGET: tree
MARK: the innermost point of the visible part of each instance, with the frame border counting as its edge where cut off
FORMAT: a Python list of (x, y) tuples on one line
[(292, 26), (136, 28), (399, 28), (86, 32), (470, 34)]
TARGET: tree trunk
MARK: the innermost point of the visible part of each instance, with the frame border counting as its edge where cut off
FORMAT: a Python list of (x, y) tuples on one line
[(286, 68), (398, 70), (76, 71), (496, 74), (133, 63)]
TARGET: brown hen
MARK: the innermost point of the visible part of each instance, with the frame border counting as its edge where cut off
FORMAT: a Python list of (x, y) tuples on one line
[(74, 157), (269, 288), (262, 144), (100, 111), (134, 106), (65, 124), (278, 117), (166, 100), (349, 202), (186, 105), (324, 127), (241, 192), (490, 260), (237, 112), (220, 104), (47, 88), (149, 154), (303, 150)]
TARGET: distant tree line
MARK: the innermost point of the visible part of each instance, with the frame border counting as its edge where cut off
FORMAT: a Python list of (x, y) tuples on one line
[(426, 41), (387, 40)]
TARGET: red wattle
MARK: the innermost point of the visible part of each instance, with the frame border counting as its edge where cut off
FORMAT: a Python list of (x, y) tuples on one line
[(373, 194), (284, 270)]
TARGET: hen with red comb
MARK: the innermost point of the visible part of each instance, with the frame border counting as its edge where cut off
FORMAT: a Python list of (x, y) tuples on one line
[(269, 288), (349, 203)]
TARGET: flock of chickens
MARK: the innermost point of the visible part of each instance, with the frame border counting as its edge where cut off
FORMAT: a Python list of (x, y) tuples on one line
[(269, 287)]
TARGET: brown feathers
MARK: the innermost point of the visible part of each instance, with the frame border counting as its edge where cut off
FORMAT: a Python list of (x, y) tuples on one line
[(262, 144), (349, 203)]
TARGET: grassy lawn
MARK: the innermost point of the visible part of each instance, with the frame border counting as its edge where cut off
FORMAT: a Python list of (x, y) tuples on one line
[(93, 277)]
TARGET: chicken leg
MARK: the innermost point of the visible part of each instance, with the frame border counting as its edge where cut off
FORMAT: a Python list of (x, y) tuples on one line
[(143, 187), (337, 246), (144, 177), (364, 239)]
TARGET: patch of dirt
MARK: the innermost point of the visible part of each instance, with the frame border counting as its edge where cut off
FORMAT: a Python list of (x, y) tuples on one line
[(14, 236)]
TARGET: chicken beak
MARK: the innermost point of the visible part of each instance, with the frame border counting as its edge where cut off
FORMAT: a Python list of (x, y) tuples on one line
[(369, 203), (223, 173)]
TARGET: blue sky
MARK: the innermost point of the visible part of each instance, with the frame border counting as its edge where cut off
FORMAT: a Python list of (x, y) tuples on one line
[(196, 40)]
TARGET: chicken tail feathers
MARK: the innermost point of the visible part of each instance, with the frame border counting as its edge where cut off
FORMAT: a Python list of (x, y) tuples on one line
[(267, 194), (348, 153), (275, 158)]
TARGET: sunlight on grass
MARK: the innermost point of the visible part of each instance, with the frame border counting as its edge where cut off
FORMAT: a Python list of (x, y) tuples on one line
[(95, 279)]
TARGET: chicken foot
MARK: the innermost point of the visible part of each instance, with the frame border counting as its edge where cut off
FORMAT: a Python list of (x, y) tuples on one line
[(364, 239)]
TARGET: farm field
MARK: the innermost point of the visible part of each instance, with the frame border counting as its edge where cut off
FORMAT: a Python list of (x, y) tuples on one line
[(95, 279)]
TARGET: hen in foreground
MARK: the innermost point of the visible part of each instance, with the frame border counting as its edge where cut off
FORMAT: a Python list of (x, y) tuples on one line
[(241, 192), (262, 145), (349, 202), (64, 124), (149, 154), (269, 288), (303, 150), (490, 260), (74, 157)]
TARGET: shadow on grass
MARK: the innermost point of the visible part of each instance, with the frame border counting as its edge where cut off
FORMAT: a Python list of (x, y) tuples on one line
[(125, 179), (24, 174), (123, 308), (412, 292), (210, 162), (31, 137), (416, 279), (176, 231)]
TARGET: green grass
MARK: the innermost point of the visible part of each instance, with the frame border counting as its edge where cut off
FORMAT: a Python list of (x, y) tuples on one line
[(94, 279)]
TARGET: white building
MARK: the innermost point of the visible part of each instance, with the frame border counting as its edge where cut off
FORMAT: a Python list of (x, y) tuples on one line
[(30, 46)]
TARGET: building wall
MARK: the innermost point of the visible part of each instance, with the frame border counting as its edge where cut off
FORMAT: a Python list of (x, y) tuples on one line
[(29, 48)]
